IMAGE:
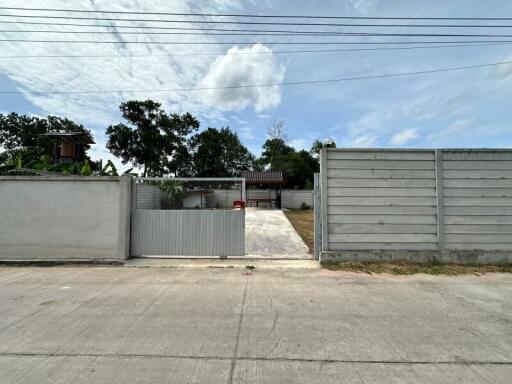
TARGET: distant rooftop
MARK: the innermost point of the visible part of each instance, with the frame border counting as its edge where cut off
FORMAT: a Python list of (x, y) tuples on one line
[(76, 137), (265, 177)]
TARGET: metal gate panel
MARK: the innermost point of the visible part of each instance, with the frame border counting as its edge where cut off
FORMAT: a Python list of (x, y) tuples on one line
[(188, 232)]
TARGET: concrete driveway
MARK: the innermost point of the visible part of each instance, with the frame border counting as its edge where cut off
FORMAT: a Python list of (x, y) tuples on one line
[(269, 234), (167, 325)]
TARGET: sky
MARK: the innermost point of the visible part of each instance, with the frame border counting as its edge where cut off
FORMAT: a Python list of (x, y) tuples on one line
[(466, 108)]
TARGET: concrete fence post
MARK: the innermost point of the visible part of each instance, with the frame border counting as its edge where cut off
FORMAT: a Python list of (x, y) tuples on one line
[(439, 198), (323, 204), (317, 206)]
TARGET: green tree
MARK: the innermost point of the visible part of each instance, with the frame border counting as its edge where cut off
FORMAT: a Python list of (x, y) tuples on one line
[(18, 131), (219, 153), (22, 131), (275, 153), (300, 169), (317, 145), (20, 136), (153, 139), (298, 166)]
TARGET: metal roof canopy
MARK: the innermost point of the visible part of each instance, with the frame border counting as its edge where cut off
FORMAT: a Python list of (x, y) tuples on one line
[(264, 177), (74, 137)]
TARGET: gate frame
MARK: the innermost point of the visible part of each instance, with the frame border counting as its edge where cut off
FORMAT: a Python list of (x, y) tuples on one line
[(185, 179)]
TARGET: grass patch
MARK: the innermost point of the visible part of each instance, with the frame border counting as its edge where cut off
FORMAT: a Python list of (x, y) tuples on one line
[(411, 268), (303, 222)]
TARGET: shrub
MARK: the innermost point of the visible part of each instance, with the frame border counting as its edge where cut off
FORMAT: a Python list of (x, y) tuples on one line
[(304, 207), (174, 193)]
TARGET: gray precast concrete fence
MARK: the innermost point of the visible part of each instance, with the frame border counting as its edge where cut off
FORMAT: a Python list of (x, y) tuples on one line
[(453, 205), (64, 218)]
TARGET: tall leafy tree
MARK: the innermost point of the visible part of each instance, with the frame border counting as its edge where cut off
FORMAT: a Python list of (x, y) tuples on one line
[(18, 131), (298, 166), (219, 153), (317, 145), (153, 139), (300, 169), (25, 148), (22, 131), (275, 150), (275, 153)]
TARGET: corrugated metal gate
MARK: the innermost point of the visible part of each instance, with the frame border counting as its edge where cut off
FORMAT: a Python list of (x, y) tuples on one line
[(186, 231)]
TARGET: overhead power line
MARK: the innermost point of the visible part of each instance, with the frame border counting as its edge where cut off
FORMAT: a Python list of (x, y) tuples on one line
[(216, 29), (237, 22), (270, 33), (253, 42), (253, 15), (252, 53), (439, 70)]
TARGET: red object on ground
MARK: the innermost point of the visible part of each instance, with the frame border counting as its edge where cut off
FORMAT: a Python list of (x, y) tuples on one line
[(239, 204)]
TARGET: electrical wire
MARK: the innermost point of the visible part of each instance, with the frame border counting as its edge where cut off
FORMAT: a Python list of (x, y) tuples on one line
[(305, 34), (253, 53), (439, 70), (254, 15), (252, 42), (192, 21), (255, 30)]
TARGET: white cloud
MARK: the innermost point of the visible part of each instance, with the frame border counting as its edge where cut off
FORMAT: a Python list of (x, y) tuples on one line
[(150, 67), (361, 5), (504, 71), (298, 144), (456, 128), (233, 70), (404, 137), (363, 141)]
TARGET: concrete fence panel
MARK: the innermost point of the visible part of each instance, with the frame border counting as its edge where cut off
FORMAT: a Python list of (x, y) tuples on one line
[(381, 200), (64, 218), (477, 191), (454, 205)]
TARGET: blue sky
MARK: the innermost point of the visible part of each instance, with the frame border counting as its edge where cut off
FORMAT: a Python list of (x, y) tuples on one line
[(469, 108)]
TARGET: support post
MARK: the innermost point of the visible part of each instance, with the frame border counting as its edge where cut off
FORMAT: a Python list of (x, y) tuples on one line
[(317, 206), (244, 197), (323, 203), (439, 199)]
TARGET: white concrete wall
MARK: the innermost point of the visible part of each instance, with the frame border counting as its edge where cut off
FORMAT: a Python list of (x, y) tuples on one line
[(294, 198), (222, 198), (64, 218), (147, 196), (193, 200)]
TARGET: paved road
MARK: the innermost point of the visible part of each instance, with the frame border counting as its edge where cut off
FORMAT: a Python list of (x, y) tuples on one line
[(179, 325), (269, 234)]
